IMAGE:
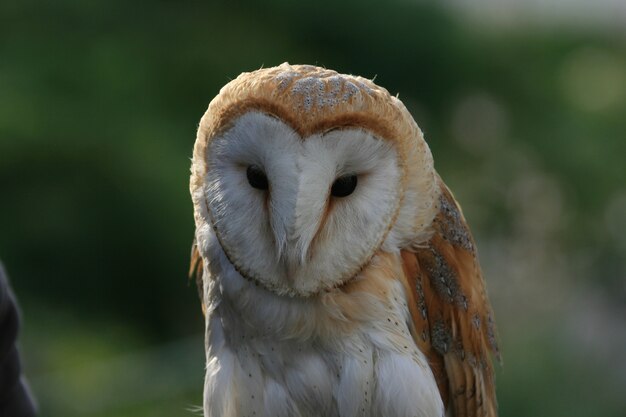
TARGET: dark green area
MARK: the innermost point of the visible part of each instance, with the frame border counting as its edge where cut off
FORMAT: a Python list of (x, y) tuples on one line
[(99, 102)]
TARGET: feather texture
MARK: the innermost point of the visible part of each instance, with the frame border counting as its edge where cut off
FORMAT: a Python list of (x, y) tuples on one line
[(196, 271), (453, 321)]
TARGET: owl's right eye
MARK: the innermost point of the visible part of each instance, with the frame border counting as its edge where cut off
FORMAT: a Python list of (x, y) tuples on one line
[(257, 178)]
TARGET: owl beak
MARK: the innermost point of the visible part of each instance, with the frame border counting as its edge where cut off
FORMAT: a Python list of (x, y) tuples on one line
[(298, 246), (293, 245), (294, 256)]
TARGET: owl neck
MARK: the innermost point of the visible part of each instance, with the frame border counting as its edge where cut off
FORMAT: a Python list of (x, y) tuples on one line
[(248, 308)]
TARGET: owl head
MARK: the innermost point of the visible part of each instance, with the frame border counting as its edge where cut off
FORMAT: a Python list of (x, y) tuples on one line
[(301, 175)]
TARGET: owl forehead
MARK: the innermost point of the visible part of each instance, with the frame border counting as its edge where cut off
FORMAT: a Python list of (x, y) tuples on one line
[(319, 90), (311, 100)]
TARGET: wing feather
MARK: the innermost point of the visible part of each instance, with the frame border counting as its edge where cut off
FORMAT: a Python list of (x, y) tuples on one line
[(453, 321)]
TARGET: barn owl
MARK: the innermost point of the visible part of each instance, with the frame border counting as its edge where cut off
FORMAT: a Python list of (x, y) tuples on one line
[(337, 273)]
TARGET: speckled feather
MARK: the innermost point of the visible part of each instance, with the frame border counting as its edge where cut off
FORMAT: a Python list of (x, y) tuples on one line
[(456, 330)]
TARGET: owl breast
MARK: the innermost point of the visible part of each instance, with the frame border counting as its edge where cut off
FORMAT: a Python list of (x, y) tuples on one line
[(347, 352)]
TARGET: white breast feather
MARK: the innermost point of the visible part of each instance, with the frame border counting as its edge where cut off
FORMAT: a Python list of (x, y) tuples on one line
[(270, 355)]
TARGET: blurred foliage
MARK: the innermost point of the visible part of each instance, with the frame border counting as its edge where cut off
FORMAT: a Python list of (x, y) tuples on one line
[(99, 102)]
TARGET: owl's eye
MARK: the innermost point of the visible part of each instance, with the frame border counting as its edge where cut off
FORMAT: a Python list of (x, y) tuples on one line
[(257, 178), (344, 186)]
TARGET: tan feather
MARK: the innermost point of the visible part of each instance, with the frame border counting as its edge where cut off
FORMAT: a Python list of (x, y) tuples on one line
[(196, 270), (453, 319)]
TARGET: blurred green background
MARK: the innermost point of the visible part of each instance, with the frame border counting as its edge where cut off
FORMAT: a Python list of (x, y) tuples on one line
[(524, 109)]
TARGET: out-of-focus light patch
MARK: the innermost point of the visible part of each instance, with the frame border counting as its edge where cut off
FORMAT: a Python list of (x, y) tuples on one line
[(537, 203), (615, 218), (526, 269), (528, 279), (583, 15), (594, 80), (479, 122)]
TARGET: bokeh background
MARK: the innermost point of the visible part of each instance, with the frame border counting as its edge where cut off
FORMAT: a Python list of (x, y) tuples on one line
[(522, 103)]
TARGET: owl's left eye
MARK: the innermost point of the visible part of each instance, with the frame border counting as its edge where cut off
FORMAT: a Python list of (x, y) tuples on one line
[(344, 186), (257, 178)]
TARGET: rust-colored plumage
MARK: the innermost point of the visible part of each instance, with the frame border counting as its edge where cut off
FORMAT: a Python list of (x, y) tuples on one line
[(453, 321)]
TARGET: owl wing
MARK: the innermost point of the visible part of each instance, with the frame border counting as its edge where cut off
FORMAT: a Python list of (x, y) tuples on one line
[(452, 319)]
